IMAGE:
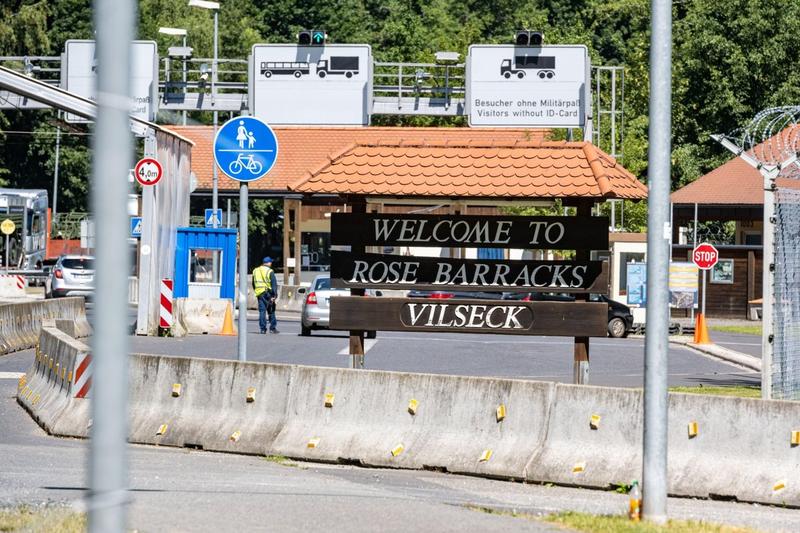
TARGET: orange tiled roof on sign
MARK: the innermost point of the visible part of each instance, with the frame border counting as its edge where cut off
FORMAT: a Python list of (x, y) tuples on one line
[(499, 169), (305, 148)]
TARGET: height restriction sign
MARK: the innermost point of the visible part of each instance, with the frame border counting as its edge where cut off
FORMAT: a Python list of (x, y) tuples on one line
[(148, 171)]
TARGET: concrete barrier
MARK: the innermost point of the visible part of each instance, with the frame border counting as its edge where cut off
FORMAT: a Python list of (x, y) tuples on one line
[(47, 390), (594, 438), (503, 428), (736, 448), (199, 316), (20, 323)]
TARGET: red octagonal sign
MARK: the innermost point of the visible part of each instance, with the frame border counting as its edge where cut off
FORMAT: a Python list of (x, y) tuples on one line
[(148, 171), (705, 256)]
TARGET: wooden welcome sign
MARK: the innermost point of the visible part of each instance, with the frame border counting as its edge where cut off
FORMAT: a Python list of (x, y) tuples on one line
[(435, 273), (470, 231), (359, 270), (469, 316)]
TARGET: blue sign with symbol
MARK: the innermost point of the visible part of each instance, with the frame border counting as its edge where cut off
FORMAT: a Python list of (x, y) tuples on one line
[(213, 218), (136, 227), (245, 148)]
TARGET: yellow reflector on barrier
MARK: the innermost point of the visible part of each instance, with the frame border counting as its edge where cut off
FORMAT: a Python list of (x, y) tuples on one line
[(251, 394), (486, 455), (795, 437), (235, 436), (501, 412), (176, 390), (329, 396), (161, 429), (313, 443), (780, 485), (594, 422), (397, 450), (412, 406), (693, 429), (579, 467)]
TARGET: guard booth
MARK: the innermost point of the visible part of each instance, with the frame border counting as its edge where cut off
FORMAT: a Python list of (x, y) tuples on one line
[(205, 263)]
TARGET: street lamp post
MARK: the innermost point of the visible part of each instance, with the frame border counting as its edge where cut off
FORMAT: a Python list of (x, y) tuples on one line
[(214, 6), (179, 32)]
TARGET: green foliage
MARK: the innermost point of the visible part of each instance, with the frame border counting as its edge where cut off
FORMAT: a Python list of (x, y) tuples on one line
[(730, 60)]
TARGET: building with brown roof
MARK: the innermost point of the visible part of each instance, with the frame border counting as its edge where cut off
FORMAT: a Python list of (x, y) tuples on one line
[(444, 170), (734, 191)]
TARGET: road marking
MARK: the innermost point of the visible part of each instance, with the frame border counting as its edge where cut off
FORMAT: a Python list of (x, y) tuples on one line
[(368, 344), (11, 375), (724, 343)]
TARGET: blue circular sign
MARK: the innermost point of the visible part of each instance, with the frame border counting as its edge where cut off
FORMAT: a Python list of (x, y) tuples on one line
[(245, 148)]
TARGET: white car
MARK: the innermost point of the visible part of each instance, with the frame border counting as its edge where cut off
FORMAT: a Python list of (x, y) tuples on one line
[(316, 312)]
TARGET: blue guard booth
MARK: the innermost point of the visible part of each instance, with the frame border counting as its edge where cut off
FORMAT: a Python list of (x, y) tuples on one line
[(205, 263)]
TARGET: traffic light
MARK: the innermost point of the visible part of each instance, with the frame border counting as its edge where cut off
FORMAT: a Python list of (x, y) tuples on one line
[(311, 37), (529, 38)]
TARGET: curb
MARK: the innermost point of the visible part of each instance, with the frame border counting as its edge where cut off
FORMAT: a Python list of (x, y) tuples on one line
[(747, 361)]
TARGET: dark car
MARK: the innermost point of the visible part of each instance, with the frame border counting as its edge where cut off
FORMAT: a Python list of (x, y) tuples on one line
[(445, 295), (620, 318)]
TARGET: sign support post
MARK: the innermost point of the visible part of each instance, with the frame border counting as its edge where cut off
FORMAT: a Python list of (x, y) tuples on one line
[(580, 356), (357, 337), (246, 149), (243, 229)]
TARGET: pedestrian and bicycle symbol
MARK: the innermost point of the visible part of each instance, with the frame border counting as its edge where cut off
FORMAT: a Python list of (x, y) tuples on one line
[(245, 148)]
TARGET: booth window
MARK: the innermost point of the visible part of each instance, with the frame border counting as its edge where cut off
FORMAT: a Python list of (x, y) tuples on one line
[(201, 265)]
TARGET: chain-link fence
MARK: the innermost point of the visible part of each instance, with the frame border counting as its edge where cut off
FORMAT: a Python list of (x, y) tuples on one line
[(786, 302)]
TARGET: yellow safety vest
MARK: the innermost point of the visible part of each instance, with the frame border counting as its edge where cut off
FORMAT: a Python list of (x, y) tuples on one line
[(262, 279)]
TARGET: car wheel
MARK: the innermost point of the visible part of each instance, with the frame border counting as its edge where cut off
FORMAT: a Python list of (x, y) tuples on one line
[(371, 334), (305, 331), (616, 328)]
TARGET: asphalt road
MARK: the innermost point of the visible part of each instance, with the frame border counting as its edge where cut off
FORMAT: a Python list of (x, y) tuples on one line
[(613, 362), (179, 490), (749, 344)]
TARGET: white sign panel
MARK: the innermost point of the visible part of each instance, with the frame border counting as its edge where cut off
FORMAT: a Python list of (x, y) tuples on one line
[(546, 86), (79, 75), (327, 85)]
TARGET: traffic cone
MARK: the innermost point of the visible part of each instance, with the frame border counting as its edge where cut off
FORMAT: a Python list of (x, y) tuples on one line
[(701, 330), (227, 322)]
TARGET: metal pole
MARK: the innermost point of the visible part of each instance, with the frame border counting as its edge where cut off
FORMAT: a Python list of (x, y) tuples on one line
[(8, 210), (768, 284), (55, 172), (703, 305), (243, 271), (184, 80), (111, 156), (654, 477), (694, 239), (215, 179)]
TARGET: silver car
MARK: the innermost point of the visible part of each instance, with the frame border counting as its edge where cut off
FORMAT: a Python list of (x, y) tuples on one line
[(72, 275), (316, 312)]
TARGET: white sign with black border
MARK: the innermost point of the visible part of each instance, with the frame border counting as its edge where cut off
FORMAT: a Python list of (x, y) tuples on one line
[(327, 85), (513, 86), (79, 75)]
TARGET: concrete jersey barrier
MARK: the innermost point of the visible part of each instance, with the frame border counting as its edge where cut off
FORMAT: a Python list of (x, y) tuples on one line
[(55, 388), (504, 428), (20, 323)]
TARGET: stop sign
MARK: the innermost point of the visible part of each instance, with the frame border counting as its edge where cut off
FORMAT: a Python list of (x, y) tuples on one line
[(705, 256)]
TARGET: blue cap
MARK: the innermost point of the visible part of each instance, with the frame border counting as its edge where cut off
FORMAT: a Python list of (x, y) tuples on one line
[(267, 259)]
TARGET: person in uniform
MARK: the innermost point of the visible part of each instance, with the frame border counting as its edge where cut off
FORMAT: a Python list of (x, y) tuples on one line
[(265, 285)]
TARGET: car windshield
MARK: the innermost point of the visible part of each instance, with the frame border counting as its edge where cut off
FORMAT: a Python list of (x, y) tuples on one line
[(79, 263)]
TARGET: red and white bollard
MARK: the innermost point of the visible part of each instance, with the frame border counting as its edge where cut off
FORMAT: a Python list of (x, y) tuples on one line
[(83, 375), (165, 314)]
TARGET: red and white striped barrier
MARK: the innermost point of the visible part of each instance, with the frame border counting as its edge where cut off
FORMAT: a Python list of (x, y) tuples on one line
[(83, 375), (165, 315)]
